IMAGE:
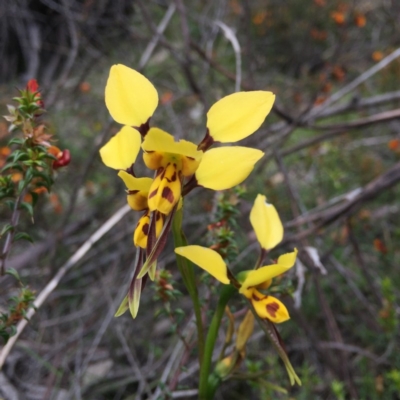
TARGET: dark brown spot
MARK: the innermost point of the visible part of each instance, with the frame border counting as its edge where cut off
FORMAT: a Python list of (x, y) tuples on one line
[(189, 158), (167, 194), (133, 191), (158, 216), (173, 177), (153, 193), (255, 297), (206, 143), (159, 171), (144, 128), (145, 229), (272, 308)]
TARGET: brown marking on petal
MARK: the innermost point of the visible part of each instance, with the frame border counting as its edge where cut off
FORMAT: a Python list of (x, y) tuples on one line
[(173, 177), (255, 297), (133, 191), (145, 229), (189, 158), (163, 173), (272, 308), (158, 216), (159, 171), (167, 194), (153, 193)]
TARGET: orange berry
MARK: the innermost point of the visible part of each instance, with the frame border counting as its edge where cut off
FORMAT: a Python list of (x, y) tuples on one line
[(360, 20), (394, 144), (166, 98), (338, 17), (85, 87), (377, 55)]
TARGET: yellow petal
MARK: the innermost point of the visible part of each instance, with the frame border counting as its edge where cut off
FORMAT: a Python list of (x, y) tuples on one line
[(238, 115), (287, 260), (133, 183), (207, 259), (266, 223), (264, 274), (138, 190), (225, 167), (130, 97), (269, 307), (160, 141), (122, 149)]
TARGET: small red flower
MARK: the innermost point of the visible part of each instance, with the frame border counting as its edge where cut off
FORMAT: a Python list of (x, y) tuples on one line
[(63, 157), (33, 87)]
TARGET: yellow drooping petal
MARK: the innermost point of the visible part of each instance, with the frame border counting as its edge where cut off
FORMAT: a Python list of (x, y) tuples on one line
[(266, 223), (131, 98), (264, 274), (207, 259), (141, 232), (121, 150), (138, 190), (269, 307), (238, 115), (165, 190), (225, 167)]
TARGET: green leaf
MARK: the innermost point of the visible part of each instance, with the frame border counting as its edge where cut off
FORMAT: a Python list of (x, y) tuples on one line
[(6, 228), (22, 236), (13, 272), (28, 207), (10, 204), (12, 165), (35, 197), (17, 141), (5, 336)]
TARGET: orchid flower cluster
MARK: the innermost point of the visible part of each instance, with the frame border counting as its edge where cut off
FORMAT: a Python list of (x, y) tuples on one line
[(179, 166), (269, 232)]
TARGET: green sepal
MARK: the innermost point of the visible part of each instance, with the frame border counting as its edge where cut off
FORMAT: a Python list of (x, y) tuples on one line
[(122, 307)]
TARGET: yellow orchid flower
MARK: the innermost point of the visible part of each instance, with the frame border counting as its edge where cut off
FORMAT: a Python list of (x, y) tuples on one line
[(173, 161), (265, 306), (131, 100)]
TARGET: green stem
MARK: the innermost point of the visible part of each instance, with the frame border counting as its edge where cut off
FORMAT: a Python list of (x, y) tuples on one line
[(187, 271), (206, 391)]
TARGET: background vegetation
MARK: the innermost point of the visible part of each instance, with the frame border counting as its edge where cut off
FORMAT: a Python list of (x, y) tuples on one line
[(332, 163)]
